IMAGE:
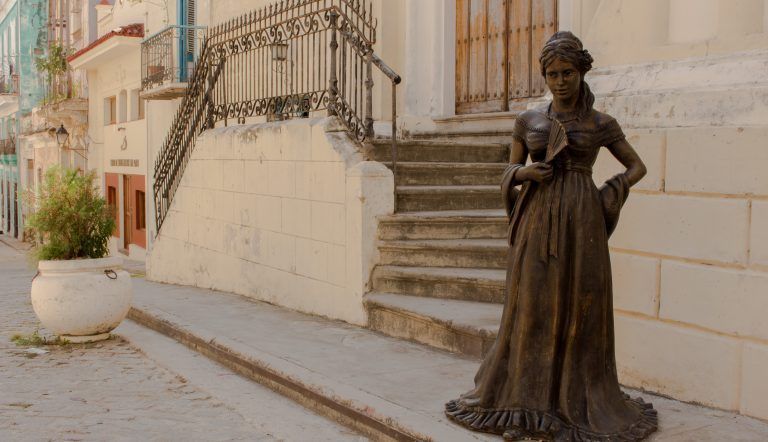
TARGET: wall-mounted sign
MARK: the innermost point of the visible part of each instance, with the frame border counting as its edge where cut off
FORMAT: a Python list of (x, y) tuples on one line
[(124, 163)]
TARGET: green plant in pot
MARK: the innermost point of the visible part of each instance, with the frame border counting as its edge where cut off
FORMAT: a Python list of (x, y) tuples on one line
[(80, 292)]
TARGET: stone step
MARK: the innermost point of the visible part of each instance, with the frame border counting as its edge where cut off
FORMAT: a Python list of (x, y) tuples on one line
[(448, 174), (463, 327), (457, 224), (492, 127), (471, 253), (383, 388), (431, 198), (467, 284), (440, 151)]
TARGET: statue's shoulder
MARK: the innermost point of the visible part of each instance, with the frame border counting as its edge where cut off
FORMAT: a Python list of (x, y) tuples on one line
[(533, 119), (535, 113), (605, 128), (601, 120)]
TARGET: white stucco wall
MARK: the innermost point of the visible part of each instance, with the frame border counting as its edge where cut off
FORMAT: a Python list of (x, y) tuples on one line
[(124, 139), (281, 212), (690, 266), (160, 114), (154, 14)]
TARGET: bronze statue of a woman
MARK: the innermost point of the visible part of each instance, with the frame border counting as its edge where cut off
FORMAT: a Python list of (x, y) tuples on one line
[(551, 373)]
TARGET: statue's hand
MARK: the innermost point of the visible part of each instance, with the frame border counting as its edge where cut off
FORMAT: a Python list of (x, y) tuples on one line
[(539, 172)]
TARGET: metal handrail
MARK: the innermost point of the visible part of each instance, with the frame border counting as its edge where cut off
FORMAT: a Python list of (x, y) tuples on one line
[(395, 79), (288, 59), (386, 70)]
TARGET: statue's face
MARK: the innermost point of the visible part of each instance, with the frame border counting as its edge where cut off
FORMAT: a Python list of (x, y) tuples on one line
[(563, 79)]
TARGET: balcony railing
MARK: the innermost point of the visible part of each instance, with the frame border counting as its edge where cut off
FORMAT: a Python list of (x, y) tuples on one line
[(9, 84), (62, 87), (169, 56), (8, 146)]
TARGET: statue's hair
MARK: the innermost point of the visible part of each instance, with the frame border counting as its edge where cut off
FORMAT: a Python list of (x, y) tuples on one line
[(566, 46)]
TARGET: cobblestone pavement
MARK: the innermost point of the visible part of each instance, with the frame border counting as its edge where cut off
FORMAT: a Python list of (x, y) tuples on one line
[(111, 390)]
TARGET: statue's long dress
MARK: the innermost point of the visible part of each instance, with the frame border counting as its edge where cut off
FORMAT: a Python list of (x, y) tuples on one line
[(552, 372)]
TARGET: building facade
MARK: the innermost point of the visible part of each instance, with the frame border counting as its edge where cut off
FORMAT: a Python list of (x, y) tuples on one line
[(121, 120), (24, 40), (683, 77)]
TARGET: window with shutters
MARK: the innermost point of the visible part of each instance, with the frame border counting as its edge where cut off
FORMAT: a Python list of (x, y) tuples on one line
[(190, 20), (497, 47), (187, 42)]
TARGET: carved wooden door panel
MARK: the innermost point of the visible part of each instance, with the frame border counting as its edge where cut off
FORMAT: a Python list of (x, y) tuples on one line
[(497, 46), (544, 24), (480, 56)]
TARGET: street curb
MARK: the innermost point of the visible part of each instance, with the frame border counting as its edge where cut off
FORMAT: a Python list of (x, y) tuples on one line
[(339, 409), (14, 244)]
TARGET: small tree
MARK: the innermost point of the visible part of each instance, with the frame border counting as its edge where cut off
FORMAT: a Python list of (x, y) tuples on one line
[(72, 220), (53, 65)]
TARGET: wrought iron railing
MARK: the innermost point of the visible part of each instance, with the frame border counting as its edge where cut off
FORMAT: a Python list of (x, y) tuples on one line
[(169, 56), (192, 118), (8, 146), (288, 59)]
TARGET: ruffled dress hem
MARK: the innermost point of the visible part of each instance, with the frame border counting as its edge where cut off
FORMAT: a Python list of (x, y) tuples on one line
[(545, 425)]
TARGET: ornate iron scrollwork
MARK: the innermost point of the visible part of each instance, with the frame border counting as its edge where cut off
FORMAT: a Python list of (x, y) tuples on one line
[(287, 60)]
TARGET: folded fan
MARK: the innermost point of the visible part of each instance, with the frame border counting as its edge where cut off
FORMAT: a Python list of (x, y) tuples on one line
[(558, 140)]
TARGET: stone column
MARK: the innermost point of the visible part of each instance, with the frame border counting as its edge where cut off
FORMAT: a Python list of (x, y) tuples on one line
[(692, 21)]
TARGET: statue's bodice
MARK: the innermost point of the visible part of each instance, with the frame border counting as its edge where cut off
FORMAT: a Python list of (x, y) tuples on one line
[(585, 135)]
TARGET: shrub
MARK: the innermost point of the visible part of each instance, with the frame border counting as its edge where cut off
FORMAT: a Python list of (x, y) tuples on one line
[(72, 220)]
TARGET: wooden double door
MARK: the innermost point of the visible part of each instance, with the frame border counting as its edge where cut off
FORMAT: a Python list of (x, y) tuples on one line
[(497, 52)]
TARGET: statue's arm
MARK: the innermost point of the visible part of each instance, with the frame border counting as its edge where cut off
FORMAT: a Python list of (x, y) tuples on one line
[(519, 152), (538, 172), (512, 175), (626, 154)]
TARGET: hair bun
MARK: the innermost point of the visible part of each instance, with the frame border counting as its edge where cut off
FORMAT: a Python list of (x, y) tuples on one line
[(565, 45)]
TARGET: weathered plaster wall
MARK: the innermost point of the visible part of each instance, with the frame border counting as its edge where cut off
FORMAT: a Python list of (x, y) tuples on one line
[(8, 176), (281, 212), (155, 15), (629, 31), (33, 42), (9, 45), (690, 255)]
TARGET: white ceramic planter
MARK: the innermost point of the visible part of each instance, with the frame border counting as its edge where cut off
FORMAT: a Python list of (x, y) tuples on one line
[(82, 300)]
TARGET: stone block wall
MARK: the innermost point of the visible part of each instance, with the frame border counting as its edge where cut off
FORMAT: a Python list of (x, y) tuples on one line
[(690, 255), (281, 212)]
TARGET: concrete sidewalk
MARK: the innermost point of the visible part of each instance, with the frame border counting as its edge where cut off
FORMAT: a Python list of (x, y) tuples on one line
[(114, 391), (383, 387), (14, 243)]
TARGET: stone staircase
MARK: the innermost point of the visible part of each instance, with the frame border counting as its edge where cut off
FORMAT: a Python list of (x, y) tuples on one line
[(440, 278)]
